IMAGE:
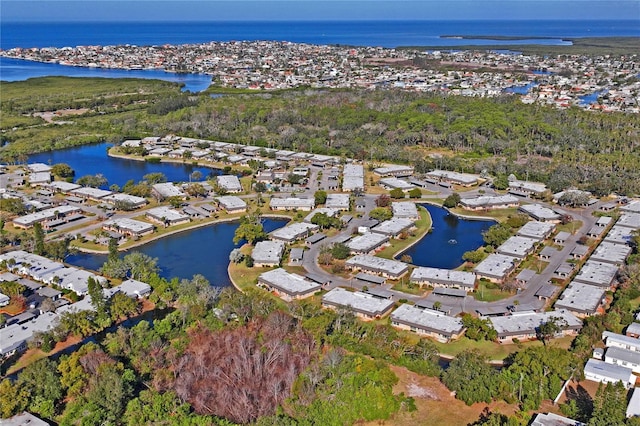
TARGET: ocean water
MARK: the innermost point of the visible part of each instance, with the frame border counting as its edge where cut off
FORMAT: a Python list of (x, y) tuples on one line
[(360, 33)]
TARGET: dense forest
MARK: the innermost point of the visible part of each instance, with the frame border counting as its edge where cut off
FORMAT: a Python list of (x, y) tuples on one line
[(499, 136)]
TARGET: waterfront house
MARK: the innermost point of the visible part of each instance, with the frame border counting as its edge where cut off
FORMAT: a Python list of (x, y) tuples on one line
[(166, 216), (364, 306), (232, 204), (267, 253), (287, 286), (392, 269), (367, 242), (445, 278)]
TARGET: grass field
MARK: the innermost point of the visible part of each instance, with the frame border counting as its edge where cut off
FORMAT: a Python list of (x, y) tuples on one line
[(489, 292), (493, 350)]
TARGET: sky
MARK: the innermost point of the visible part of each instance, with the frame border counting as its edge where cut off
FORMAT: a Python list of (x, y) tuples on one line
[(296, 10)]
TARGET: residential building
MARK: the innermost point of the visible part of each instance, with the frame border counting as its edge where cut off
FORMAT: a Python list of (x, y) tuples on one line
[(455, 178), (581, 299), (427, 322), (363, 305), (129, 227), (229, 183), (394, 170), (395, 183), (518, 246), (166, 216), (167, 190), (367, 242), (286, 204), (551, 419), (538, 230), (621, 341), (602, 372), (613, 253), (232, 204), (294, 232), (267, 253), (287, 286), (446, 278), (525, 325), (597, 273), (540, 213), (405, 210), (353, 178), (496, 267), (393, 227), (487, 202), (337, 201), (623, 358), (392, 269)]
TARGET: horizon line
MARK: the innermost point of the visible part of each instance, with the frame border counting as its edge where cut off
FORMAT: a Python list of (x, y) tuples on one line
[(27, 21)]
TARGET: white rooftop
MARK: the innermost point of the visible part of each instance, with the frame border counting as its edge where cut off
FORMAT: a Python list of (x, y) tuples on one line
[(360, 302), (427, 319)]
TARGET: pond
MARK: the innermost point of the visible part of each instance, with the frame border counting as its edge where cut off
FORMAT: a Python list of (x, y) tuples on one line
[(202, 251), (450, 237), (92, 159)]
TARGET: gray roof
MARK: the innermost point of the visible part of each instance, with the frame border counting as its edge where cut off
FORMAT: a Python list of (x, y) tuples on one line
[(126, 198), (393, 183), (548, 251), (562, 236), (604, 220), (610, 371), (231, 202), (292, 203), (633, 207), (427, 319), (583, 298), (488, 201), (23, 419), (463, 178), (526, 275), (166, 213), (597, 273), (404, 209), (230, 183), (378, 264), (374, 279), (629, 220), (453, 292), (367, 242), (495, 265), (633, 409), (337, 201), (268, 252), (294, 231), (322, 210), (315, 238), (539, 212), (633, 328), (291, 284), (359, 302), (393, 226), (617, 234), (443, 276), (352, 177), (528, 322), (15, 335), (394, 169), (620, 339), (168, 189), (547, 290), (131, 225), (616, 353), (551, 419), (609, 252)]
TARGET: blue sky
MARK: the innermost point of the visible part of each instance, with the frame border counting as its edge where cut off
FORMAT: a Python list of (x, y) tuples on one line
[(265, 10)]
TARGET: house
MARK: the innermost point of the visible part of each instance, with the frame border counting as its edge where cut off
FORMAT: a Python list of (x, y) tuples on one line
[(579, 252), (293, 232), (633, 330), (267, 253), (561, 237), (602, 372), (287, 286), (621, 341), (496, 267), (134, 288), (538, 230), (367, 242), (525, 325), (405, 210), (547, 253), (48, 216), (551, 419), (618, 234), (166, 216), (232, 204), (517, 246), (167, 190), (623, 358), (337, 201), (633, 408), (93, 194), (613, 253), (540, 213), (4, 299), (24, 419), (229, 183), (629, 220), (581, 299), (363, 305), (393, 227), (395, 183), (392, 269), (129, 227), (394, 170), (14, 338), (427, 322), (353, 178), (455, 178), (126, 199), (597, 273), (487, 202), (286, 204), (524, 188), (445, 278)]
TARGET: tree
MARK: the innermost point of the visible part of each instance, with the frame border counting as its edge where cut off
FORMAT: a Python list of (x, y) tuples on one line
[(141, 266), (496, 234), (260, 187), (340, 251), (478, 329), (452, 200), (381, 214), (236, 256), (383, 200), (42, 381), (397, 193), (122, 306), (406, 258), (325, 222), (501, 182), (415, 193), (98, 301), (195, 175), (471, 378), (13, 205), (196, 190), (549, 329), (294, 179), (474, 256), (113, 250), (14, 398), (153, 178), (38, 238), (62, 170), (320, 197), (92, 181), (250, 230), (609, 405)]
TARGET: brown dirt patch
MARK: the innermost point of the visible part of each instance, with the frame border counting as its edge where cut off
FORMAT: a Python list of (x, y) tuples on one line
[(435, 403), (48, 116)]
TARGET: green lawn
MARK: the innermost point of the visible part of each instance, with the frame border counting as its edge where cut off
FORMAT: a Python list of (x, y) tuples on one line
[(405, 287), (570, 227), (493, 350), (500, 215), (489, 292)]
